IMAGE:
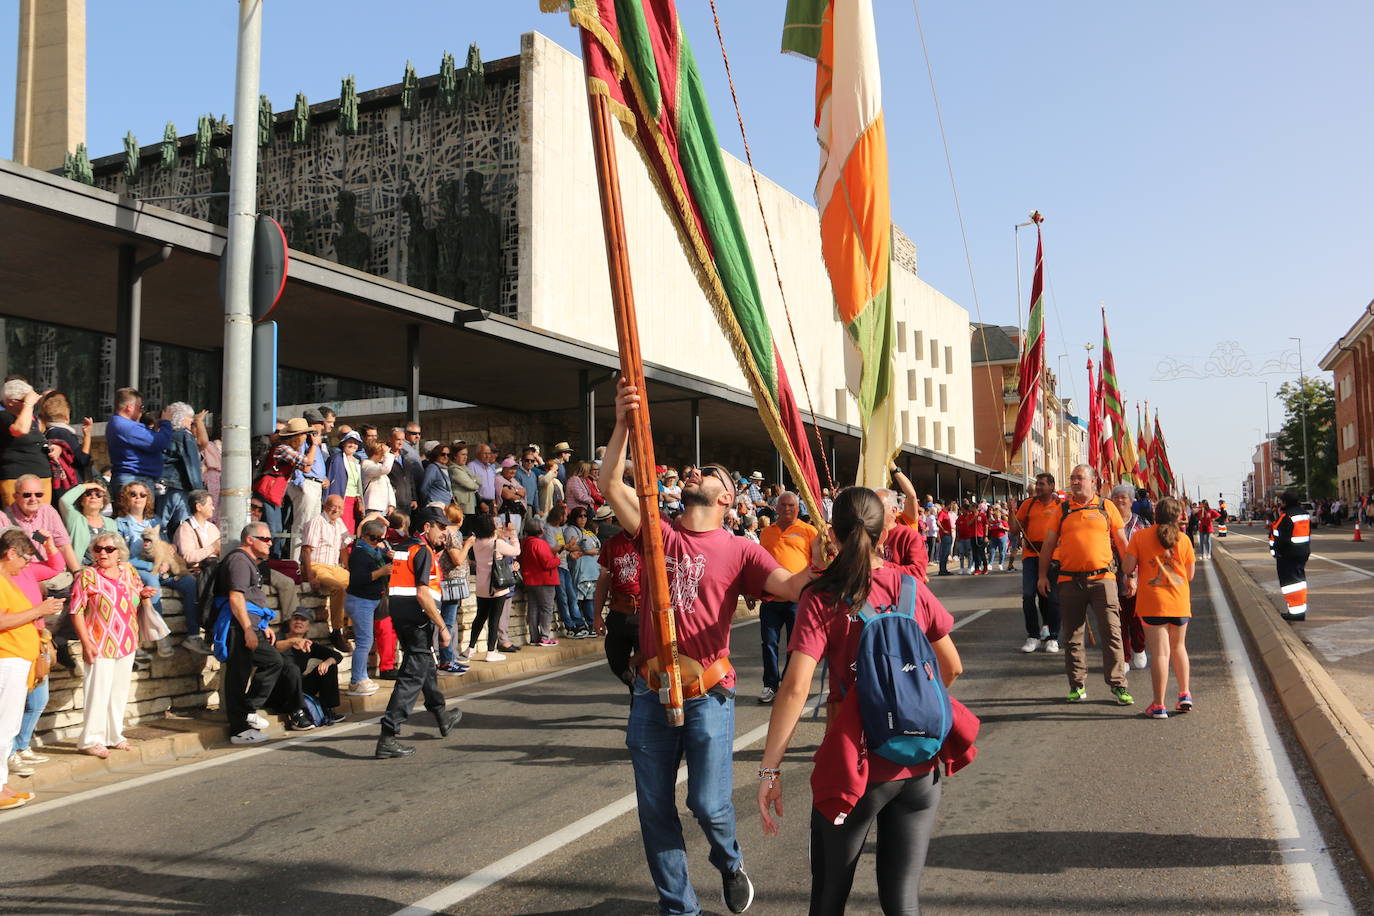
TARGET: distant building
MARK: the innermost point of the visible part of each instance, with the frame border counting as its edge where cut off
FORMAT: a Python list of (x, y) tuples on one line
[(1351, 364), (1057, 439)]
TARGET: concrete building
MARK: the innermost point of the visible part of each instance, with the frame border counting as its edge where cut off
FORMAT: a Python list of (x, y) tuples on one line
[(1267, 476), (488, 201), (1351, 364), (1056, 441), (50, 88)]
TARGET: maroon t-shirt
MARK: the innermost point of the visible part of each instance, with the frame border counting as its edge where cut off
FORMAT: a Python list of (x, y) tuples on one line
[(825, 632), (905, 549), (707, 573), (620, 557)]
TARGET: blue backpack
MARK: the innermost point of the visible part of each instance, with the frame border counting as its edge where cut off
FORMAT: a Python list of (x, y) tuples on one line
[(902, 700)]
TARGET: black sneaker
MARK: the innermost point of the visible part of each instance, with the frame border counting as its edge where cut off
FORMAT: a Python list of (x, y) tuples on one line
[(299, 721), (737, 891)]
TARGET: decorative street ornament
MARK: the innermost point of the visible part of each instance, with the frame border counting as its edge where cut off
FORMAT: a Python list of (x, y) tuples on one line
[(448, 83), (300, 123), (77, 166), (347, 125), (410, 94), (219, 152), (474, 76), (1228, 359), (130, 157), (265, 121), (171, 156), (205, 126)]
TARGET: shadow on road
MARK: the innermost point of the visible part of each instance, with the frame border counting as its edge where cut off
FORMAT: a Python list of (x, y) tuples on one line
[(1056, 851)]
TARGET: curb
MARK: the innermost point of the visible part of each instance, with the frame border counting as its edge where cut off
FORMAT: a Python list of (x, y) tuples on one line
[(1337, 740)]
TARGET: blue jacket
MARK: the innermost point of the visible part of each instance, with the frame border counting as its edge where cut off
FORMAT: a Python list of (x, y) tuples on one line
[(181, 462), (435, 486), (134, 448)]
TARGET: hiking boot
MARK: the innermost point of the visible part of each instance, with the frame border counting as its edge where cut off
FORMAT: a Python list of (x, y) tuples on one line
[(737, 891), (447, 718), (1123, 696), (388, 746), (1077, 694), (1294, 618)]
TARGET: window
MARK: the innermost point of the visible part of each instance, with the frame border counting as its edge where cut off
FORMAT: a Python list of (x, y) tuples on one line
[(906, 426), (901, 337), (920, 344), (949, 439), (944, 398), (911, 384), (921, 431), (930, 393), (949, 360), (937, 444), (935, 354)]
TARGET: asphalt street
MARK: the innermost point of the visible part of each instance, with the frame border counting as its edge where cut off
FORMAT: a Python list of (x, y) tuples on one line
[(527, 808)]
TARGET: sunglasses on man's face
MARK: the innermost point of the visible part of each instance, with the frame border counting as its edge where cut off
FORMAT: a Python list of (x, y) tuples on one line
[(104, 548), (266, 539), (38, 495)]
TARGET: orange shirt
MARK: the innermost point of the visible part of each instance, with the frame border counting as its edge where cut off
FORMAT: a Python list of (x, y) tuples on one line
[(20, 641), (1085, 536), (791, 547), (1163, 589), (1035, 522)]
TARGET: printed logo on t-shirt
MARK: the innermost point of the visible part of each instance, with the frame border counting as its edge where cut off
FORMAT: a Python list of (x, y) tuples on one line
[(684, 579), (1165, 576), (626, 567)]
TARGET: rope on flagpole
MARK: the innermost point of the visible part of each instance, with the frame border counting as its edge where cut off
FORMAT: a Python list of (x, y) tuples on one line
[(777, 272)]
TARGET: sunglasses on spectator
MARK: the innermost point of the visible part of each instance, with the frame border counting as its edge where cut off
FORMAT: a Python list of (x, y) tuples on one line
[(412, 432), (719, 474), (38, 495), (265, 538), (104, 548), (138, 495)]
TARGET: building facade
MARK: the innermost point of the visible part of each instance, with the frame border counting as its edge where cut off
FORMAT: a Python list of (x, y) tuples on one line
[(1057, 439), (1349, 362)]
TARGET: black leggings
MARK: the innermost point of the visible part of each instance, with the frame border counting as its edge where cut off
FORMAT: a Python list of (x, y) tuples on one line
[(905, 811), (489, 613)]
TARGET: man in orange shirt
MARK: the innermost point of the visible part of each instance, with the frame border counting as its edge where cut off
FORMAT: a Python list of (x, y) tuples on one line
[(1031, 521), (788, 540), (1083, 532)]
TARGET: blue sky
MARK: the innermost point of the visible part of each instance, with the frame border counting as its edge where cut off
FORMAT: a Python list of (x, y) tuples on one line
[(1203, 167)]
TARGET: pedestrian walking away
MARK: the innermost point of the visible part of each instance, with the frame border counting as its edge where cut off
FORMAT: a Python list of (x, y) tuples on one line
[(1291, 545), (1132, 630), (1162, 561), (852, 791), (789, 541), (708, 568), (414, 595), (1084, 531), (1040, 609)]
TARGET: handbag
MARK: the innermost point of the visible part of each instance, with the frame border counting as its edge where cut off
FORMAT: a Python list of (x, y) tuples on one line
[(151, 626), (455, 588), (503, 574), (269, 483), (42, 665)]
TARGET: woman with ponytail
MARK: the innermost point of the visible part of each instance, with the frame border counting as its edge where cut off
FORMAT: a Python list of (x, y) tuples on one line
[(902, 800), (1166, 563)]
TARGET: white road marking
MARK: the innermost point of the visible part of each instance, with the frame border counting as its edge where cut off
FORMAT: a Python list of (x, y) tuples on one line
[(970, 618), (1317, 556), (1313, 876), (483, 878)]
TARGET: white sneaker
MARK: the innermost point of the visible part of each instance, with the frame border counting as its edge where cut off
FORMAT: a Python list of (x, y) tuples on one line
[(165, 649), (466, 653), (766, 695), (249, 736), (258, 722), (1139, 660), (29, 755), (1030, 645), (1051, 645), (18, 767), (363, 688), (494, 657)]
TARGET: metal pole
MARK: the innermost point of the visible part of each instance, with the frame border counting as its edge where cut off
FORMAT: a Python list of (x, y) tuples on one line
[(586, 405), (1302, 402), (696, 431), (128, 320), (412, 373), (238, 318)]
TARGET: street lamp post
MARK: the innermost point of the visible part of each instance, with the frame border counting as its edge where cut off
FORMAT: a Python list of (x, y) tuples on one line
[(1302, 402)]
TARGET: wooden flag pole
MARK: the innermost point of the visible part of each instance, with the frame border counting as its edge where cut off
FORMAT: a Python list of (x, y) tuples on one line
[(655, 573)]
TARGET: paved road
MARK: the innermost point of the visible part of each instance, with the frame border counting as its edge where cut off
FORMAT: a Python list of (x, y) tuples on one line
[(1069, 809)]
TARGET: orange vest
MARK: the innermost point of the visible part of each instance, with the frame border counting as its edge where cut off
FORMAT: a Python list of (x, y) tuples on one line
[(403, 584)]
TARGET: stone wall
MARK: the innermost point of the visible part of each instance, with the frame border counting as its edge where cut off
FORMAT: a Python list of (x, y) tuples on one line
[(188, 684)]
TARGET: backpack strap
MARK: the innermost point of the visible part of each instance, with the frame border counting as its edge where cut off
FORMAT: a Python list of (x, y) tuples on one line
[(906, 603)]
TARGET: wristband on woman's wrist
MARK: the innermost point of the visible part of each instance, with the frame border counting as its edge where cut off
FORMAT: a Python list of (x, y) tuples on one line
[(770, 774)]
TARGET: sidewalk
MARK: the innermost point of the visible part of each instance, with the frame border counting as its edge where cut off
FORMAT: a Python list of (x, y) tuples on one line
[(1310, 671)]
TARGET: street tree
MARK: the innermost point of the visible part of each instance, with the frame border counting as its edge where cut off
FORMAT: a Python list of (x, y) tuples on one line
[(1319, 399)]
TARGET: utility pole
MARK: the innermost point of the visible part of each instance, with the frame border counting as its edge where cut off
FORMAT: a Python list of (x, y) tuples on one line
[(238, 317), (1302, 402)]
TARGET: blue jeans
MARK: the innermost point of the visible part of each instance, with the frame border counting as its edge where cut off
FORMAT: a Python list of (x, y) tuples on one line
[(997, 548), (773, 617), (1205, 543), (360, 611), (964, 551), (565, 595), (118, 481), (172, 510), (946, 543), (449, 611), (34, 705), (185, 587), (272, 516), (1036, 607), (705, 742)]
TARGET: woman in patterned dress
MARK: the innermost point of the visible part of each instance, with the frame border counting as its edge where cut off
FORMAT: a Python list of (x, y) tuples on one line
[(105, 600)]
